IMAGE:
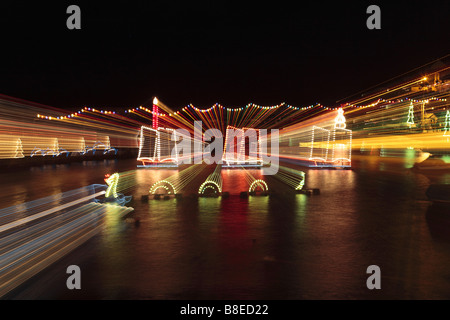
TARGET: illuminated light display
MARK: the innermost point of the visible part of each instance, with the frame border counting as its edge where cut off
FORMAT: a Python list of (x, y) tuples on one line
[(341, 144), (307, 139), (213, 182), (292, 177), (112, 181), (18, 120), (108, 147), (217, 110), (155, 114), (178, 181), (251, 115), (320, 141), (389, 108), (19, 149), (395, 125), (164, 184), (390, 91), (388, 128), (339, 122), (254, 184), (12, 146), (156, 147), (38, 136), (98, 145), (236, 147), (82, 149), (209, 184), (36, 151), (447, 124), (363, 147), (54, 150), (105, 146), (307, 132), (410, 120), (300, 185), (258, 183), (342, 147), (112, 195)]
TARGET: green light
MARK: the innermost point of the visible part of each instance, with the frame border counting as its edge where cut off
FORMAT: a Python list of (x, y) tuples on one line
[(260, 183), (447, 124), (112, 182), (160, 184), (410, 120)]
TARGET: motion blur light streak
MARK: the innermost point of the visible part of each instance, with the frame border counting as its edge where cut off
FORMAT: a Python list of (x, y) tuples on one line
[(447, 124), (416, 121), (219, 152), (53, 227), (292, 177), (410, 108)]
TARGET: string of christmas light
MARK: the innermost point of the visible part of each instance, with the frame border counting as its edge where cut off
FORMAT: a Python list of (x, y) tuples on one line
[(251, 115), (217, 105)]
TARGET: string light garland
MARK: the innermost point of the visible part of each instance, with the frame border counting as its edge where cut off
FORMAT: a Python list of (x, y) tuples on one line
[(219, 106)]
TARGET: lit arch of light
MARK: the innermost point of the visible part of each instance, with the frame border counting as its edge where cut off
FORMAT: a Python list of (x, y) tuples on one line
[(260, 183), (208, 187), (207, 184), (160, 184)]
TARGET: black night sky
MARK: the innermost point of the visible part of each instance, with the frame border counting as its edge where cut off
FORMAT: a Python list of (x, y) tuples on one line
[(216, 51)]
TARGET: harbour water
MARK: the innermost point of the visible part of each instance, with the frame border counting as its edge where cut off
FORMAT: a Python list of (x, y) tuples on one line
[(283, 246)]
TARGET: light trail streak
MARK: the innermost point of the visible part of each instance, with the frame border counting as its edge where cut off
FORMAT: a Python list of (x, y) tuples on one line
[(53, 227), (22, 221), (292, 177)]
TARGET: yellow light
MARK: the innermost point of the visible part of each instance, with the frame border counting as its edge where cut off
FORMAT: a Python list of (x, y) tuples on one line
[(155, 100)]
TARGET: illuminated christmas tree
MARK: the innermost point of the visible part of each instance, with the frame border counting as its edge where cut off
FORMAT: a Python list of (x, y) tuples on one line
[(19, 149), (410, 120), (447, 124), (83, 146), (55, 149)]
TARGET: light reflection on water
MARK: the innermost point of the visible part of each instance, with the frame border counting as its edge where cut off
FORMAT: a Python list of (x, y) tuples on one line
[(282, 246)]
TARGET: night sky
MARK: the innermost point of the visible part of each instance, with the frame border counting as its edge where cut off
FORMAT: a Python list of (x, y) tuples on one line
[(208, 52)]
